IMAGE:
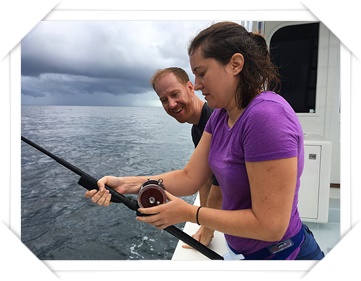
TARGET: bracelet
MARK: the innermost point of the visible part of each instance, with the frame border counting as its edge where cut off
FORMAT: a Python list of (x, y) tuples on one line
[(197, 214)]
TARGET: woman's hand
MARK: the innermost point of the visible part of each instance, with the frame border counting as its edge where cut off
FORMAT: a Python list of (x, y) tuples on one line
[(175, 211), (123, 185), (101, 197)]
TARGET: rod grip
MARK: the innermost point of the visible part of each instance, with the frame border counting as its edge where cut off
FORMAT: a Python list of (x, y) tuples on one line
[(90, 183)]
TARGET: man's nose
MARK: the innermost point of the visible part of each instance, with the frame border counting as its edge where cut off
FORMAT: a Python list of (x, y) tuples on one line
[(172, 103)]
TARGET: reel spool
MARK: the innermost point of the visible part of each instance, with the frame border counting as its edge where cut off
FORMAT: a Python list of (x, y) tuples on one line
[(151, 194)]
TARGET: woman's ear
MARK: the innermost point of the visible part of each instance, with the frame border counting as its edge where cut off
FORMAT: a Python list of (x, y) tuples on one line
[(237, 62)]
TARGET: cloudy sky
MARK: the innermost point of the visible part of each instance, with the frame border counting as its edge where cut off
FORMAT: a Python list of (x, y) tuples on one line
[(101, 62)]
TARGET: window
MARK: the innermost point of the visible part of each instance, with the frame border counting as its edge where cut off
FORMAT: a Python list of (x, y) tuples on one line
[(294, 50)]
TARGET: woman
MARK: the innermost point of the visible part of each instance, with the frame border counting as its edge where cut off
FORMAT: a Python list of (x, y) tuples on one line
[(253, 143)]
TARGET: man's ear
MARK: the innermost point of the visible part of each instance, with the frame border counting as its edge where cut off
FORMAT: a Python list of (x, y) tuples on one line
[(190, 87), (237, 62)]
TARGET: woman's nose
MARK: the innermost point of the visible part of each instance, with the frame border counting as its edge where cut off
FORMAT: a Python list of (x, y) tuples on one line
[(197, 85)]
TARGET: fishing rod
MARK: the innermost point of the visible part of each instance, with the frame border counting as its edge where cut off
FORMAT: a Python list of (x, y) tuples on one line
[(151, 191)]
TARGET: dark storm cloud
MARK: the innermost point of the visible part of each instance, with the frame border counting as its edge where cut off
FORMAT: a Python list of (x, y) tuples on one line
[(71, 58)]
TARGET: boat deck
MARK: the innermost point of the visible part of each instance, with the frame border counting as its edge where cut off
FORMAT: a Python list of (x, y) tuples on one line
[(326, 234)]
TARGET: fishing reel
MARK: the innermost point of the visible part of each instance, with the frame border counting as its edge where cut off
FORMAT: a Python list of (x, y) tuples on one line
[(151, 194)]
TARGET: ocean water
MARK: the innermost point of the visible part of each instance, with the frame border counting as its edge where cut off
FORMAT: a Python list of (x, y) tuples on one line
[(57, 221)]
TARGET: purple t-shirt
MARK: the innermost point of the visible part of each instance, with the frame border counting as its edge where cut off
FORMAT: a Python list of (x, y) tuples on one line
[(268, 129)]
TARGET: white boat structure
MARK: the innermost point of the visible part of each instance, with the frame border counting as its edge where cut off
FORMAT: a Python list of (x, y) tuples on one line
[(310, 57)]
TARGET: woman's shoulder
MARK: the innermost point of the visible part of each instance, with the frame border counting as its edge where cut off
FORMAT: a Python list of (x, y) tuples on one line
[(267, 96), (269, 102)]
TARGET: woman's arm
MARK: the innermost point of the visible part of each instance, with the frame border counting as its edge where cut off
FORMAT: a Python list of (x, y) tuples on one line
[(272, 186), (272, 191), (180, 182)]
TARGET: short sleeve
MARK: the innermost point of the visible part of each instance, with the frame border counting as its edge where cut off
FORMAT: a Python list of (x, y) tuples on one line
[(270, 132)]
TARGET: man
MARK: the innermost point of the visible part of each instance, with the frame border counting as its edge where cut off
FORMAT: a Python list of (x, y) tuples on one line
[(177, 96)]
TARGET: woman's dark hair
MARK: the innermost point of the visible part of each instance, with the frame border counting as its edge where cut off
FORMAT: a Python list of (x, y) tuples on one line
[(222, 40)]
